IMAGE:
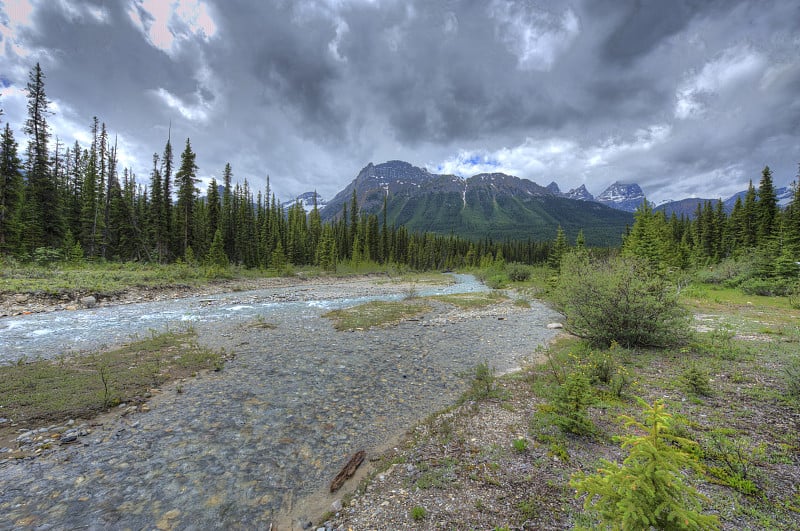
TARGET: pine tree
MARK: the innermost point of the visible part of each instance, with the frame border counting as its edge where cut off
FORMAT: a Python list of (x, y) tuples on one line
[(212, 196), (165, 217), (226, 215), (11, 193), (186, 179), (216, 253), (559, 249), (792, 214), (749, 224), (766, 206), (44, 223)]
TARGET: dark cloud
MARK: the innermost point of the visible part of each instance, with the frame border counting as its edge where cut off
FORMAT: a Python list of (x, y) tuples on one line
[(672, 95)]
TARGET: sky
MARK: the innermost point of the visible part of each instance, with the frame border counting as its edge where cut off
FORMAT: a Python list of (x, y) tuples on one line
[(687, 98)]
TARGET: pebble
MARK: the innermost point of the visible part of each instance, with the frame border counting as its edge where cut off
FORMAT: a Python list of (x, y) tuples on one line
[(274, 426)]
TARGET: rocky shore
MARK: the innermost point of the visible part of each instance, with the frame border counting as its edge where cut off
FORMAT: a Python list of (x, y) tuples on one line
[(256, 445)]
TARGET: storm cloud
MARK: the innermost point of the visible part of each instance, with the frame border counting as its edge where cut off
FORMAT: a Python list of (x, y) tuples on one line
[(684, 98)]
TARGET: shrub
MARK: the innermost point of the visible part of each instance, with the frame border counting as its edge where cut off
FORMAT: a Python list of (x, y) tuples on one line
[(518, 272), (483, 383), (497, 281), (696, 381), (647, 490), (766, 287), (622, 300)]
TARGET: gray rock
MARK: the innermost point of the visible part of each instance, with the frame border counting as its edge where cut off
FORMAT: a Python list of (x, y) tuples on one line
[(89, 302), (336, 506), (555, 326)]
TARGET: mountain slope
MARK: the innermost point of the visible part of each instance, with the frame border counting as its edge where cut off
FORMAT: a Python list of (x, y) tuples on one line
[(495, 205)]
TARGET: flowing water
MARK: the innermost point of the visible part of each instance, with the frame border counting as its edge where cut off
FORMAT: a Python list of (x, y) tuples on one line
[(48, 335)]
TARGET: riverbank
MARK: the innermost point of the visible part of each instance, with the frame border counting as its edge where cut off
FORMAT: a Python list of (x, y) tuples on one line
[(258, 443), (15, 303)]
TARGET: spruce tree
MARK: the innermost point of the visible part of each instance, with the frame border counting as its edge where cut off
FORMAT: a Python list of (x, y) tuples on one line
[(165, 216), (44, 223), (186, 180), (10, 192), (648, 491), (748, 229), (212, 196), (766, 205), (559, 249)]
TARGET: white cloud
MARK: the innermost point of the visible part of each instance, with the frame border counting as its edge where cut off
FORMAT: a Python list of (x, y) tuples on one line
[(536, 37), (732, 68), (14, 15), (198, 112), (166, 25), (341, 29), (75, 12)]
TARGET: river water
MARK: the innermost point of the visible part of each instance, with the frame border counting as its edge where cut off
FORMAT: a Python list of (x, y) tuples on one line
[(49, 335), (260, 441)]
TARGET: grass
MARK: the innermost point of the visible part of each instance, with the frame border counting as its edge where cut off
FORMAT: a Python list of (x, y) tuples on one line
[(375, 313), (382, 313), (472, 300), (746, 428), (109, 277), (46, 391)]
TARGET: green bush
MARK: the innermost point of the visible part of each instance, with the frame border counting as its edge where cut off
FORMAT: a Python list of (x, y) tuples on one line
[(622, 300), (696, 381), (767, 287), (518, 272), (498, 281)]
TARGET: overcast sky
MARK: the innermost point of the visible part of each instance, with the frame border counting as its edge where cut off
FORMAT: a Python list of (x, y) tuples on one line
[(684, 97)]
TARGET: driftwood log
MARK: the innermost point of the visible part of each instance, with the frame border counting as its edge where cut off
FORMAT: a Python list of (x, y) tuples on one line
[(348, 470)]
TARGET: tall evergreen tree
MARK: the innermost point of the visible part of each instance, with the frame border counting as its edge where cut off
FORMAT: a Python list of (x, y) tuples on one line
[(10, 192), (749, 223), (226, 216), (766, 205), (166, 198), (186, 180), (212, 196), (44, 223)]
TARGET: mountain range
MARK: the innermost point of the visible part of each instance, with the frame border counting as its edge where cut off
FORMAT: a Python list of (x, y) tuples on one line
[(496, 205), (487, 205)]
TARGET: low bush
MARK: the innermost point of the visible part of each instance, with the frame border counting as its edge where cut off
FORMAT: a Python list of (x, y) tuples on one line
[(620, 300), (518, 272), (766, 287)]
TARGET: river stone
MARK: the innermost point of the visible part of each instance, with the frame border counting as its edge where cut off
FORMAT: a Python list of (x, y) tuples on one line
[(89, 302), (555, 326)]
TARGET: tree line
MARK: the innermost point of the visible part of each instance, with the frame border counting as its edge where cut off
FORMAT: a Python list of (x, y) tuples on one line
[(756, 232), (74, 203)]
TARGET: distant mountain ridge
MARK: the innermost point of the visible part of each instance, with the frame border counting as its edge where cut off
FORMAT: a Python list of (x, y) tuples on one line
[(688, 207), (496, 205), (487, 205)]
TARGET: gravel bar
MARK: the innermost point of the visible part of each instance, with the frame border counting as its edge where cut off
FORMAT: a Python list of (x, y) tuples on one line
[(256, 445)]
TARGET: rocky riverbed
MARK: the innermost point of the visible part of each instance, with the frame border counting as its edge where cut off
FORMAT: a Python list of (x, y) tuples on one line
[(256, 445)]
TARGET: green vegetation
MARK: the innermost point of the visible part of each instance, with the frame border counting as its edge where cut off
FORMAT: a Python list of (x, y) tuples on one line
[(418, 513), (648, 489), (375, 313), (472, 300), (620, 300), (45, 391)]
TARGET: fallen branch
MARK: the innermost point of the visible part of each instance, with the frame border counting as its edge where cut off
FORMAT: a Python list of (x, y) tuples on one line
[(348, 470)]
